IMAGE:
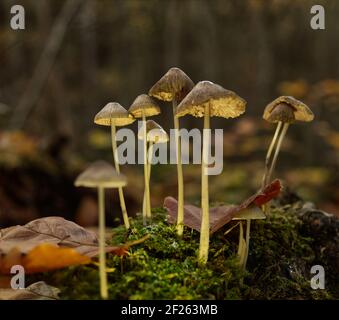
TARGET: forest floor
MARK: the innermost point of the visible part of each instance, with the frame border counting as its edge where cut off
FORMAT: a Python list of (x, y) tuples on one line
[(282, 251)]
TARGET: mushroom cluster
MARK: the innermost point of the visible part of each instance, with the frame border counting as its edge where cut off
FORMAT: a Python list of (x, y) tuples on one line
[(203, 100)]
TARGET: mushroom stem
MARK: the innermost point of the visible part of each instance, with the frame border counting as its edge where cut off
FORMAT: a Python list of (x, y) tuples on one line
[(147, 212), (150, 152), (102, 251), (281, 138), (180, 216), (269, 153), (117, 168), (241, 242), (248, 228), (205, 224)]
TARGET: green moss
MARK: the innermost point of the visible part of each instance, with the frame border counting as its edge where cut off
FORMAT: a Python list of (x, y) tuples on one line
[(165, 266)]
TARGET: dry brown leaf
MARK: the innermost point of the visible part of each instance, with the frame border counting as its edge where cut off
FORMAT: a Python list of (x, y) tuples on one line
[(52, 230), (36, 291), (51, 243), (219, 216)]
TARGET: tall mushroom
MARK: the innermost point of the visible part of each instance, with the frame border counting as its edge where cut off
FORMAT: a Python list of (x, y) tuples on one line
[(145, 106), (101, 175), (154, 134), (174, 86), (205, 100), (283, 111), (113, 115)]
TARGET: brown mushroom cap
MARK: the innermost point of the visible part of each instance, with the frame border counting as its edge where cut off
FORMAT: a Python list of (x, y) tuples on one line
[(300, 110), (155, 133), (115, 113), (223, 103), (100, 174), (146, 104), (281, 112), (175, 84)]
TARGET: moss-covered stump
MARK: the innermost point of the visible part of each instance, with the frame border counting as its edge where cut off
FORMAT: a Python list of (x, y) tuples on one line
[(282, 251)]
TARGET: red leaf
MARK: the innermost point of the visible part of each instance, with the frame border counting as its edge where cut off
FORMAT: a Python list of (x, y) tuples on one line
[(219, 216)]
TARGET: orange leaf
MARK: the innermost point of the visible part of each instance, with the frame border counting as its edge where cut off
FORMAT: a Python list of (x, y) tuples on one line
[(46, 257)]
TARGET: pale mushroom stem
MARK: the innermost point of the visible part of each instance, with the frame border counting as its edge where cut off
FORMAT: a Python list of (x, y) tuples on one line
[(205, 224), (102, 251), (269, 153), (240, 246), (150, 152), (117, 168), (147, 212), (281, 138), (248, 228), (180, 216)]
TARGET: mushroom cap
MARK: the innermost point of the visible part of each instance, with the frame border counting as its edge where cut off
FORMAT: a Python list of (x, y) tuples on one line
[(175, 84), (250, 213), (100, 174), (144, 103), (223, 103), (154, 132), (301, 111), (282, 112), (115, 113)]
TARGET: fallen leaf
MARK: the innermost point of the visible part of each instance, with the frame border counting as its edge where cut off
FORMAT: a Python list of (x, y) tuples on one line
[(52, 230), (36, 291), (219, 216), (51, 243), (265, 195), (44, 257)]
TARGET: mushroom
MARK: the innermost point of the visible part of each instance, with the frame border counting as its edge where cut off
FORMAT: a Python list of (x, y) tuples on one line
[(101, 175), (114, 114), (174, 86), (205, 100), (284, 111), (144, 106), (154, 134), (246, 215)]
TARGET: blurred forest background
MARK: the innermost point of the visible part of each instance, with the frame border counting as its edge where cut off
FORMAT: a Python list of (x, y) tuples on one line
[(76, 55)]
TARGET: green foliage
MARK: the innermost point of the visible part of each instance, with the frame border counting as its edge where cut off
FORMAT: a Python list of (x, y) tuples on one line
[(165, 266)]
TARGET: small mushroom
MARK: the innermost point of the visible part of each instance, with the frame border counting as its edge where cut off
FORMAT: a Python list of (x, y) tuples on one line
[(113, 115), (205, 100), (244, 244), (174, 86), (101, 175), (142, 107), (283, 111), (155, 134)]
